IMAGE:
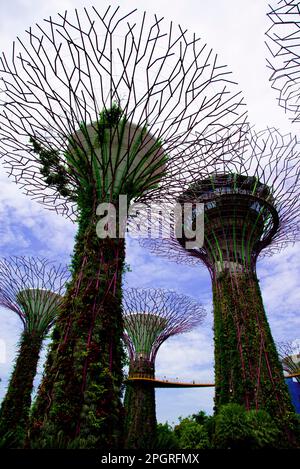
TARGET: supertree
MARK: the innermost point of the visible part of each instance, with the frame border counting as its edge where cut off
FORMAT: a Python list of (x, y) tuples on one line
[(96, 106), (251, 210), (33, 289), (283, 42), (289, 353), (150, 317)]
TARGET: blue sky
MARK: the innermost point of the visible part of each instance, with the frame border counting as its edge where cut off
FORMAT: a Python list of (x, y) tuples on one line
[(237, 34)]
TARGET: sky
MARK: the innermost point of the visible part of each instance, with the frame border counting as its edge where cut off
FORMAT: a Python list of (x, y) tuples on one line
[(235, 30)]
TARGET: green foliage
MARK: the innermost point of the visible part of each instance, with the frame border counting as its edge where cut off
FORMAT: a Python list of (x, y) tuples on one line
[(139, 405), (247, 368), (79, 397), (192, 435), (165, 438), (126, 268), (78, 172), (12, 440), (108, 119), (289, 426), (59, 441), (192, 432), (86, 224), (237, 428), (232, 429), (201, 418), (54, 172), (263, 429), (50, 441), (14, 412)]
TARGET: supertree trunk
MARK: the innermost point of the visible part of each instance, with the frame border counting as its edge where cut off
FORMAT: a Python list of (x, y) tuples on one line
[(139, 403), (14, 412), (247, 367), (150, 317), (79, 397)]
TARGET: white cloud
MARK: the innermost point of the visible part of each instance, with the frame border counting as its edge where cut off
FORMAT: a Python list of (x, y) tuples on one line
[(187, 356), (24, 222), (11, 329), (172, 403), (281, 293)]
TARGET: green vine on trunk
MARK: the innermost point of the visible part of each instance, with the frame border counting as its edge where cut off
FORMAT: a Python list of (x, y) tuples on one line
[(247, 367), (139, 404), (80, 394), (15, 408)]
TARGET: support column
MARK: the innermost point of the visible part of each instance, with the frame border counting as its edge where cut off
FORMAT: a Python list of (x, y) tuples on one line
[(247, 367), (139, 403)]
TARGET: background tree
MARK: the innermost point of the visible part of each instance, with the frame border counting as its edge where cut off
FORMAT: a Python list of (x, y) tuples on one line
[(192, 432), (237, 428), (283, 44), (32, 288), (289, 354), (165, 438), (150, 317)]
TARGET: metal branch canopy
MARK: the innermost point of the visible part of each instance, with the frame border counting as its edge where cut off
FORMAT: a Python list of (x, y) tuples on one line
[(251, 207), (32, 288), (167, 86), (153, 315), (283, 42)]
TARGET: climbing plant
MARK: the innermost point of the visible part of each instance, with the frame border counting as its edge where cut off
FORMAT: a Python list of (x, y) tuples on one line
[(32, 288)]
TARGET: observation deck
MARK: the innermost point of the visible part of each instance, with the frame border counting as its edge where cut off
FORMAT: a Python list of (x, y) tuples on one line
[(174, 383), (164, 382)]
